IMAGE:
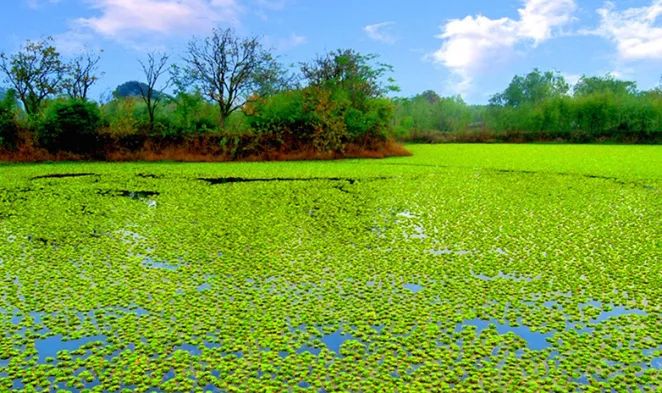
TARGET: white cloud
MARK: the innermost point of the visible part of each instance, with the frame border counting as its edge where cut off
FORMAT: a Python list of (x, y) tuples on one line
[(474, 43), (635, 31), (539, 18), (127, 19), (379, 32)]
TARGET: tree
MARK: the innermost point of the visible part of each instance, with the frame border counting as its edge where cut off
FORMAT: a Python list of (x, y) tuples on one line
[(82, 73), (226, 69), (35, 73), (350, 70), (153, 69), (532, 89), (273, 78), (430, 96), (604, 84)]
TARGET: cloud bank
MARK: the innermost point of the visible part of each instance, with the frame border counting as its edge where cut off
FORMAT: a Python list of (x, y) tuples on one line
[(472, 44), (131, 19), (636, 32)]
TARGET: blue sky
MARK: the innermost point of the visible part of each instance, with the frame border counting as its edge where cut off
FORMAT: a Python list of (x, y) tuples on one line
[(472, 47)]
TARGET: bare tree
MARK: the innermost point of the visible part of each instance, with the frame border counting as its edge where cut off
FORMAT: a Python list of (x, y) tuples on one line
[(153, 69), (226, 68), (35, 72), (82, 73)]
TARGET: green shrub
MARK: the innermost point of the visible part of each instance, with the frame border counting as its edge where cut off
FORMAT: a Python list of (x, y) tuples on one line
[(189, 113), (237, 123), (120, 116), (373, 123), (279, 113), (8, 125), (70, 125)]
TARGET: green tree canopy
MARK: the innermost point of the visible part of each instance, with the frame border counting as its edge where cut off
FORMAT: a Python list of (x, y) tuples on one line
[(352, 71), (531, 89), (36, 72), (588, 85)]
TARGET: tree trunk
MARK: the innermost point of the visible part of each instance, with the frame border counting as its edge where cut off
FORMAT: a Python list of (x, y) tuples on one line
[(222, 117), (150, 109)]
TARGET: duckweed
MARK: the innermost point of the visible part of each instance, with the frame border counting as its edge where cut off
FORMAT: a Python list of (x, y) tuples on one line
[(462, 268)]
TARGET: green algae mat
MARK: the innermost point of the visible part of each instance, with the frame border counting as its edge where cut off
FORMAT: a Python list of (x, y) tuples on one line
[(462, 268)]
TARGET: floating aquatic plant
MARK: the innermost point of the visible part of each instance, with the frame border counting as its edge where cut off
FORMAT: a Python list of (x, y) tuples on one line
[(517, 268)]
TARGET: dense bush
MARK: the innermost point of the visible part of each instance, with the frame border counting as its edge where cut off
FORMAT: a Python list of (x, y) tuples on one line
[(8, 126), (280, 113), (429, 112), (322, 117), (190, 113), (121, 116), (70, 125)]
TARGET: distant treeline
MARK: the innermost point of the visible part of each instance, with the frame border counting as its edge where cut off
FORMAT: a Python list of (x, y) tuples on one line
[(227, 99), (540, 106)]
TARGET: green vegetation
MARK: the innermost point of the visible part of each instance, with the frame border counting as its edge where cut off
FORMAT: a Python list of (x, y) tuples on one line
[(8, 126), (231, 99), (463, 268), (539, 107), (230, 95), (70, 125)]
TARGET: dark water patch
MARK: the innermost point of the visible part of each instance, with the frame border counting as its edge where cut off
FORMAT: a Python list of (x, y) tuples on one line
[(138, 194), (62, 175), (535, 341), (130, 194), (342, 189), (149, 176), (228, 180), (50, 346)]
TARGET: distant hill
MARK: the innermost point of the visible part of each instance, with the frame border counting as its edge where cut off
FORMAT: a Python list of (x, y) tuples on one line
[(133, 89)]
